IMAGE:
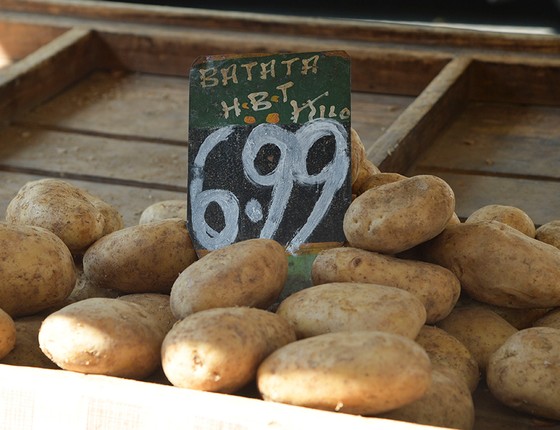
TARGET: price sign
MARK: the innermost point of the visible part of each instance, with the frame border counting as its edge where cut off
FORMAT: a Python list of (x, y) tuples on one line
[(269, 149)]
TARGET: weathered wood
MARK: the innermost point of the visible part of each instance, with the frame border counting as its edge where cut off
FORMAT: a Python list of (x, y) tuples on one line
[(21, 39), (46, 71), (501, 139), (341, 29), (413, 131)]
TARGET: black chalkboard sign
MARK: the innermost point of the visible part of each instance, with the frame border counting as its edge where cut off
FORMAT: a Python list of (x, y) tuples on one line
[(269, 149)]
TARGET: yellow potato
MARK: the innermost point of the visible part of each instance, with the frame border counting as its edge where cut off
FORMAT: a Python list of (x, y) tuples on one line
[(510, 215), (7, 334), (377, 179), (397, 216), (68, 211), (353, 306), (104, 336), (447, 352), (481, 330), (164, 209), (26, 351), (549, 233), (36, 269), (220, 349), (499, 265), (524, 373), (143, 258), (361, 372), (550, 319), (247, 273), (447, 403), (437, 288)]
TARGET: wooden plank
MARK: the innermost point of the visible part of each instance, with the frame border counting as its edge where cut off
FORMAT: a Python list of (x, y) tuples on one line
[(20, 39), (155, 108), (341, 29), (129, 200), (73, 155), (146, 107), (502, 139), (46, 71), (515, 80), (537, 198), (166, 51), (414, 130)]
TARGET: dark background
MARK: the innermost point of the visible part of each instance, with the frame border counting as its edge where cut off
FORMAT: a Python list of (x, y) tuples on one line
[(523, 14)]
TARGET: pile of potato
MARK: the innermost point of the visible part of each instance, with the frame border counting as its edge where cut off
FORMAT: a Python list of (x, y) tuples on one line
[(401, 322)]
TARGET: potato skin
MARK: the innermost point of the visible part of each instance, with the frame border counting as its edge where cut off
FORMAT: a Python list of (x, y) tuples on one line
[(7, 334), (36, 269), (448, 403), (549, 233), (524, 373), (247, 273), (481, 330), (510, 215), (353, 306), (448, 353), (361, 372), (397, 216), (60, 207), (140, 259), (437, 287), (220, 349), (550, 319), (164, 209), (499, 265), (103, 336)]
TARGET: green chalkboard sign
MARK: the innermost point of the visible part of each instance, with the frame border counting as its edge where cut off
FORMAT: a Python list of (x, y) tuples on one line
[(269, 149)]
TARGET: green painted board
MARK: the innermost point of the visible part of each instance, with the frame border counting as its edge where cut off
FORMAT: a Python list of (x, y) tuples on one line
[(269, 149)]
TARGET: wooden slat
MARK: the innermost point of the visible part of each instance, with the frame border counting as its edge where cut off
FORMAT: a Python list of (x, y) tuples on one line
[(516, 80), (341, 29), (539, 199), (46, 71), (20, 39), (130, 201), (414, 130), (502, 139), (73, 155), (148, 107)]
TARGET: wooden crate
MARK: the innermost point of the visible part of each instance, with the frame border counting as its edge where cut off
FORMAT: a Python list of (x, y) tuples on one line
[(97, 94)]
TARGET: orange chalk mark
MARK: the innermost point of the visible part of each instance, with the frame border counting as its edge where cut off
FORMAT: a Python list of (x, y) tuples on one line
[(275, 99), (273, 118), (249, 119), (245, 105)]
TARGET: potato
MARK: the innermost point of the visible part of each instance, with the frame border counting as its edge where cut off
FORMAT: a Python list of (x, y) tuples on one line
[(447, 352), (447, 403), (549, 233), (7, 334), (550, 319), (104, 336), (26, 351), (397, 216), (112, 217), (510, 215), (437, 288), (247, 273), (68, 211), (358, 153), (352, 306), (361, 372), (164, 209), (140, 259), (481, 330), (84, 289), (36, 269), (157, 305), (377, 179), (499, 265), (220, 349), (524, 373)]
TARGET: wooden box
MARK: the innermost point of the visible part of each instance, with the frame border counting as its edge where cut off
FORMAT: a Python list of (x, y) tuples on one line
[(96, 93)]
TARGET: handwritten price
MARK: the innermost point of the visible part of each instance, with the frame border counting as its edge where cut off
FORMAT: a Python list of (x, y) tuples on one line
[(291, 169)]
